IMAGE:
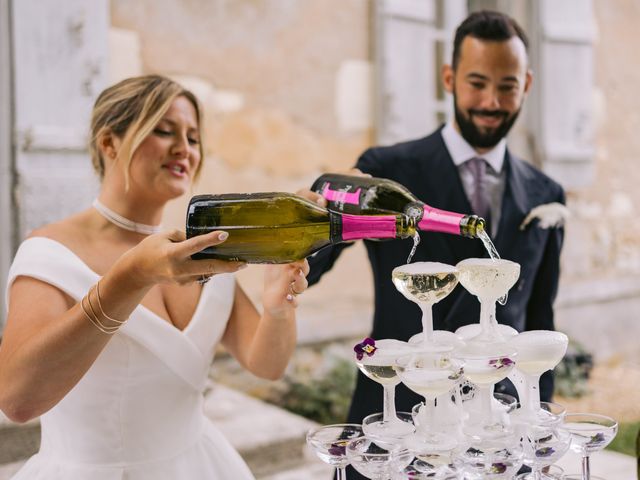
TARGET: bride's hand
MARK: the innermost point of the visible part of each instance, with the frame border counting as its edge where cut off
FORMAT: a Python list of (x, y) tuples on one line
[(166, 258), (282, 284)]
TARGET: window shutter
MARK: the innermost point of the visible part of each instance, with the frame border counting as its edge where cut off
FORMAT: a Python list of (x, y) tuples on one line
[(59, 67), (412, 38), (562, 94)]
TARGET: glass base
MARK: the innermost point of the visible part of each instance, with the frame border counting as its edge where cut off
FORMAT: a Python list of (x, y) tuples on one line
[(542, 476), (540, 418), (578, 476), (487, 430), (431, 447), (388, 430)]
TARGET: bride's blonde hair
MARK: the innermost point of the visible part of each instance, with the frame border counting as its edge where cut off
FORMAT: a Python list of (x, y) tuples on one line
[(130, 110)]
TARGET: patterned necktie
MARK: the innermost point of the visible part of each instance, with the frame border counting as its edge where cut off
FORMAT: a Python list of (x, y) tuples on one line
[(479, 199)]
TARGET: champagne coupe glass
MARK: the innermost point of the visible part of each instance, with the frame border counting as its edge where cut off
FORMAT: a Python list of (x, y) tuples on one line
[(550, 472), (379, 367), (543, 446), (590, 433), (497, 457), (418, 471), (426, 283), (434, 461), (429, 374), (488, 279), (330, 444), (375, 461), (501, 406), (538, 351), (485, 365)]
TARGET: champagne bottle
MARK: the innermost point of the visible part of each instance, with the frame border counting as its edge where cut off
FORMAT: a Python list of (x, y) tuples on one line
[(281, 227), (370, 196)]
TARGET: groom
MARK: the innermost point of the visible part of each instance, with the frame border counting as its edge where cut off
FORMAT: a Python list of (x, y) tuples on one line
[(465, 166)]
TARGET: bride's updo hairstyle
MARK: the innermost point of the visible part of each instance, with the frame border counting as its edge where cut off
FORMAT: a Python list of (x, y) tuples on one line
[(130, 110)]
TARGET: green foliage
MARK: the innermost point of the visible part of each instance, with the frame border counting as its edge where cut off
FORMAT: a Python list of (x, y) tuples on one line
[(572, 374), (323, 397), (625, 441)]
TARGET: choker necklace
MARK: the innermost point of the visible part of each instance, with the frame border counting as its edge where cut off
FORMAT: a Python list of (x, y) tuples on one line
[(123, 222)]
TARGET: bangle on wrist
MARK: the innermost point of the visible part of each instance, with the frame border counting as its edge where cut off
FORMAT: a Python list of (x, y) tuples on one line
[(89, 312)]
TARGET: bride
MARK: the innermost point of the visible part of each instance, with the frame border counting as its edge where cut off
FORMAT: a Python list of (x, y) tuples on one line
[(112, 326)]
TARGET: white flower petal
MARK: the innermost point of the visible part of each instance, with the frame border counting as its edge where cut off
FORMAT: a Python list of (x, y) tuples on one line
[(549, 215)]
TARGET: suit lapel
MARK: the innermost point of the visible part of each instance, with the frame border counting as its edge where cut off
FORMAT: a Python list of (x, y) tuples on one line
[(516, 202)]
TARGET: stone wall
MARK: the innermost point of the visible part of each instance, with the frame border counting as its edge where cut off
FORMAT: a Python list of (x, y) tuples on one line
[(604, 236), (286, 92), (600, 290)]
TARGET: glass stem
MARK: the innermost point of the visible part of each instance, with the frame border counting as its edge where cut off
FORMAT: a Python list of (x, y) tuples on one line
[(341, 473), (485, 403), (533, 394), (457, 395), (430, 407), (427, 323), (535, 471), (487, 311), (586, 469), (389, 403)]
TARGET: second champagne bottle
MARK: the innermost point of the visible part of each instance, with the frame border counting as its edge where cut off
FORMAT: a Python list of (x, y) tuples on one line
[(360, 195)]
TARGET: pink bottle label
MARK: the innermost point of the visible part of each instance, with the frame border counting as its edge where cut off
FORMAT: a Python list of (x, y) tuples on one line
[(436, 220), (341, 197), (355, 227)]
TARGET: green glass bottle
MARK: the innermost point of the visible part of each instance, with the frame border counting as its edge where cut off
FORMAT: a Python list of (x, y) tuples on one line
[(281, 227), (374, 196)]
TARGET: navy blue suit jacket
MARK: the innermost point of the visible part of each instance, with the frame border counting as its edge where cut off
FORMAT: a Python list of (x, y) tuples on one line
[(425, 167)]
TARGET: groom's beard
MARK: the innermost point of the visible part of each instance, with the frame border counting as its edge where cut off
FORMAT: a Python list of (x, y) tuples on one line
[(483, 137)]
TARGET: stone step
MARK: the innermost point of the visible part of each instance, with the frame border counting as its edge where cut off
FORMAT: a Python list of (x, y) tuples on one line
[(18, 442), (313, 471), (8, 470), (605, 464), (270, 439)]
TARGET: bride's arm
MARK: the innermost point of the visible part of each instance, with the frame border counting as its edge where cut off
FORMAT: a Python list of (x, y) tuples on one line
[(49, 342), (263, 344)]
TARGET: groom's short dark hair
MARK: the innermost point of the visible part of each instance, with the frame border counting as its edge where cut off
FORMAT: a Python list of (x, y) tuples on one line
[(487, 25)]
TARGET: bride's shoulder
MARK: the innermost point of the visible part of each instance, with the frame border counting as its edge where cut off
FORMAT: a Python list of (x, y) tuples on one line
[(71, 231)]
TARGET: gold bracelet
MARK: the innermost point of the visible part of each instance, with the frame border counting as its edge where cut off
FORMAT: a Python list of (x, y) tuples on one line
[(107, 330), (96, 317), (97, 287)]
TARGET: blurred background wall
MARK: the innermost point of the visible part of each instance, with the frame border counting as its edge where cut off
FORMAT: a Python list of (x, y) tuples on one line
[(295, 88)]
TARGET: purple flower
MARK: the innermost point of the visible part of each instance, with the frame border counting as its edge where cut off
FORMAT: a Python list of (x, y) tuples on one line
[(597, 439), (498, 468), (367, 346), (501, 362), (545, 452), (338, 449)]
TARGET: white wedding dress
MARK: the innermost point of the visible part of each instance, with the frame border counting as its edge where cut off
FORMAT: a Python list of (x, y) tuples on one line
[(137, 414)]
